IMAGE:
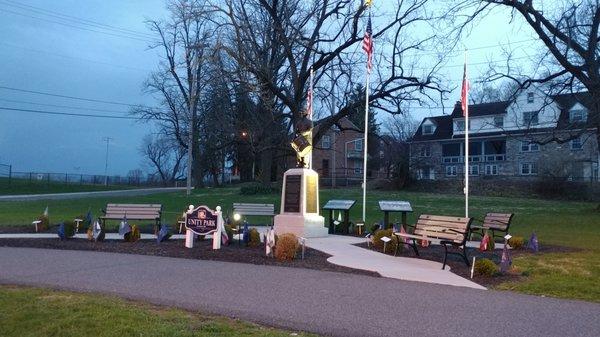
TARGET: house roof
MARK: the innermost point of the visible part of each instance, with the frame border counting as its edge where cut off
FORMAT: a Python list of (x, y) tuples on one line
[(443, 129), (483, 109), (344, 124)]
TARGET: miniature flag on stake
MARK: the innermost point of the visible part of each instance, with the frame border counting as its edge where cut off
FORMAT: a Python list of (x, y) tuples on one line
[(89, 218), (483, 245), (403, 231), (224, 235), (46, 212), (533, 243), (124, 227), (98, 233)]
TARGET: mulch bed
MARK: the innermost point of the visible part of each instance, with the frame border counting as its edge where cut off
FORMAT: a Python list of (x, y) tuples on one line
[(313, 259), (458, 266)]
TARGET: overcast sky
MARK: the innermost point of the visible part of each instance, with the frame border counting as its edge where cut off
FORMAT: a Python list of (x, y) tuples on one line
[(45, 52)]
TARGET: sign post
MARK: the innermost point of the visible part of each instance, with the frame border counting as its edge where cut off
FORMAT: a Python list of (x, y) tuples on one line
[(202, 221)]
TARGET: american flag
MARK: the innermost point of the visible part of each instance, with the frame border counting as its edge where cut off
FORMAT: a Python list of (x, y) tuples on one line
[(368, 45), (464, 93)]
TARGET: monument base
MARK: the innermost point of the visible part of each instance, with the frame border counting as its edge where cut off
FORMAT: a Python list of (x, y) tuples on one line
[(307, 225)]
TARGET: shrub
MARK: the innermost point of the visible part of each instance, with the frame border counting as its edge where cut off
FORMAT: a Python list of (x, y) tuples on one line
[(286, 247), (485, 267), (229, 232), (390, 247), (517, 242), (256, 188), (44, 224), (254, 238), (69, 229)]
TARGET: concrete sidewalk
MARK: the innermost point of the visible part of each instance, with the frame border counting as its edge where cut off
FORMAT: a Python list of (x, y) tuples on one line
[(327, 303), (345, 253)]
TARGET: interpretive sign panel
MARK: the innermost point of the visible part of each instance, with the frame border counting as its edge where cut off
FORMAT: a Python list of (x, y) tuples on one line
[(395, 206), (292, 193)]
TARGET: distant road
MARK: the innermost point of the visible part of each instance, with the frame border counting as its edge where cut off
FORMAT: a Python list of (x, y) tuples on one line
[(95, 194)]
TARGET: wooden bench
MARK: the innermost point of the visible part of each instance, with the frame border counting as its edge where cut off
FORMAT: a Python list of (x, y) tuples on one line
[(494, 222), (133, 212), (449, 230), (254, 209)]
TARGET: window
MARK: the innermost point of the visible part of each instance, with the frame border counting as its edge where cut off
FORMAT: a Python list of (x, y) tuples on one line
[(451, 171), (528, 169), (577, 116), (529, 97), (427, 129), (473, 170), (531, 117), (358, 145), (527, 146), (491, 170), (460, 125), (326, 142), (499, 121), (426, 151), (425, 173), (576, 144)]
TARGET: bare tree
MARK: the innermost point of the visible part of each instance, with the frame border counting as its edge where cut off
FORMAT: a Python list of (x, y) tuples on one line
[(164, 156), (276, 44), (569, 62)]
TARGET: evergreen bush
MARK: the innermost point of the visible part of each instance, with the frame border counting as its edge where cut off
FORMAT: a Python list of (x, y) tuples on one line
[(390, 247), (286, 247), (485, 267), (254, 238)]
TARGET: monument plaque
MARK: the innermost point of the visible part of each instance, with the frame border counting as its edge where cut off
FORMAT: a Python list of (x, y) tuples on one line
[(292, 193), (311, 194)]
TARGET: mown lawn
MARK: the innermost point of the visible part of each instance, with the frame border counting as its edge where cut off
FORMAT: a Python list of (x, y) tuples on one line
[(571, 224), (24, 186), (31, 312)]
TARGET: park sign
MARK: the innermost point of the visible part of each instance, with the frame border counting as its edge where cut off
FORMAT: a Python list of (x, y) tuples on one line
[(201, 220)]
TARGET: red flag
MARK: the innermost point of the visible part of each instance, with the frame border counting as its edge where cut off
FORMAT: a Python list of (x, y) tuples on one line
[(367, 45), (483, 246), (464, 93), (403, 231)]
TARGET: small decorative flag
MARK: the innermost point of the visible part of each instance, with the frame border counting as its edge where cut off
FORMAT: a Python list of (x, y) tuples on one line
[(124, 227), (98, 233), (89, 218), (246, 233), (61, 231), (483, 245), (269, 241), (224, 235), (403, 231), (164, 233), (424, 242), (506, 260), (46, 212), (533, 243)]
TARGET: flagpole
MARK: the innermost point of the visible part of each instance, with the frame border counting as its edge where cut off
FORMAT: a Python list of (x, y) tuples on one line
[(466, 104), (364, 210), (310, 157)]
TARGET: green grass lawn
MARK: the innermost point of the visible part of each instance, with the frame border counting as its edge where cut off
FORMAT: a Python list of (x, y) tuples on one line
[(571, 224), (29, 312), (24, 186)]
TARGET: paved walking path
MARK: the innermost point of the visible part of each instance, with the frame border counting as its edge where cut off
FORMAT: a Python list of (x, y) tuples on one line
[(345, 253), (332, 304), (95, 194)]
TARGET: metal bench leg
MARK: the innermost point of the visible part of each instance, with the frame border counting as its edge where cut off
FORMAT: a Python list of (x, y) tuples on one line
[(414, 247), (464, 255), (445, 256)]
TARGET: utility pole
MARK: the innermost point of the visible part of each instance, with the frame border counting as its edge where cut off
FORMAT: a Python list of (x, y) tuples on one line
[(107, 140)]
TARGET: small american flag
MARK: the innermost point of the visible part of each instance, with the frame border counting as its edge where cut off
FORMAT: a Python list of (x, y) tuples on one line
[(367, 45)]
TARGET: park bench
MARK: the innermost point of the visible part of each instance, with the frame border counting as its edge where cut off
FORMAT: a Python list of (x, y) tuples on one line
[(494, 222), (448, 230), (132, 212), (254, 209)]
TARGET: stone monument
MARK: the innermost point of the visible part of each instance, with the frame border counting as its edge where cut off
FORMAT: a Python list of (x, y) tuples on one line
[(299, 212)]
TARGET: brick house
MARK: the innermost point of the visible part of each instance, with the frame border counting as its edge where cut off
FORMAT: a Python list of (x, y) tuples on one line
[(515, 138)]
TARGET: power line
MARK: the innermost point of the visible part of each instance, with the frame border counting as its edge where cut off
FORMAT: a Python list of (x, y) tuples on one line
[(68, 113), (77, 27), (75, 19), (61, 106), (68, 97), (72, 57)]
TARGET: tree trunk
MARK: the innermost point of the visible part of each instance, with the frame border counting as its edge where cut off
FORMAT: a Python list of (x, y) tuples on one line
[(266, 165)]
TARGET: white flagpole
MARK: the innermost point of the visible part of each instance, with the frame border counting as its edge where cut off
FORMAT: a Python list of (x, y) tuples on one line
[(466, 140), (312, 102), (364, 210)]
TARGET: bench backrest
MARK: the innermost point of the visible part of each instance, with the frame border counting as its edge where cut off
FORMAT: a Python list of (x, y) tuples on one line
[(254, 209), (499, 221), (133, 211), (443, 227)]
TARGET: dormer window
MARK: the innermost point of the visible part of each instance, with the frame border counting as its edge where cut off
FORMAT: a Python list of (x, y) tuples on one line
[(499, 121), (427, 129), (577, 116), (530, 97), (460, 125)]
